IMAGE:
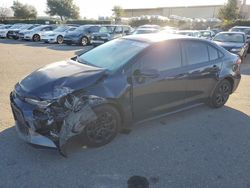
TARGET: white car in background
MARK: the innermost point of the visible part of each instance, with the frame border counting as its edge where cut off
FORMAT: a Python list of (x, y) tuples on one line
[(36, 33), (4, 29), (56, 36)]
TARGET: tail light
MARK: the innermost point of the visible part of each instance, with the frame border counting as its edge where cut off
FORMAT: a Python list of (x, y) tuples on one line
[(238, 62), (236, 66)]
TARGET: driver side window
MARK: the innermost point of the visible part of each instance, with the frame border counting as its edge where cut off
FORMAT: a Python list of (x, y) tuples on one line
[(162, 57)]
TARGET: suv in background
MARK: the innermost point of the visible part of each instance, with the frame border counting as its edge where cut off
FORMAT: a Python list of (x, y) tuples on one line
[(81, 35), (109, 32)]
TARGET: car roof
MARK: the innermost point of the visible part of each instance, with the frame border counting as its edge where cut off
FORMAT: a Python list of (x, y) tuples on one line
[(157, 37), (242, 27), (190, 31), (231, 32)]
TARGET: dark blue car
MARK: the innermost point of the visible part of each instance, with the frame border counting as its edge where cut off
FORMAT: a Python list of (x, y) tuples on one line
[(82, 35), (234, 42), (125, 80)]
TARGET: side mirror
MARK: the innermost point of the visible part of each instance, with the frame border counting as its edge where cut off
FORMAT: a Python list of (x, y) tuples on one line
[(74, 58)]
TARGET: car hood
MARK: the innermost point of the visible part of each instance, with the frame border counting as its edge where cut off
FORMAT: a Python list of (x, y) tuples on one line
[(63, 76), (229, 45)]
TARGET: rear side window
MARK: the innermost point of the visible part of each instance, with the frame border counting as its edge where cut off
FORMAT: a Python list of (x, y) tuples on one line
[(94, 29), (196, 52), (162, 57), (118, 29), (213, 53)]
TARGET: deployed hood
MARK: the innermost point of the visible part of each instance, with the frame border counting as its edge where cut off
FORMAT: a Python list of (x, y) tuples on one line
[(69, 75), (229, 45)]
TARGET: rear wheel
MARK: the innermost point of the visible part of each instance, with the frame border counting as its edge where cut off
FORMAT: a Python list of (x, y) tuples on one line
[(104, 129), (221, 94), (59, 39), (36, 38), (84, 41)]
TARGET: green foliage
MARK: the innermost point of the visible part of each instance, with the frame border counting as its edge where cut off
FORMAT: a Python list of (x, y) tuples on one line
[(65, 9), (30, 21), (84, 22), (23, 11), (136, 23), (117, 11), (230, 11), (228, 25)]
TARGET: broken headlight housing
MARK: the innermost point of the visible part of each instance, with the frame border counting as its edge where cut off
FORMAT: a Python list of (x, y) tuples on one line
[(40, 104)]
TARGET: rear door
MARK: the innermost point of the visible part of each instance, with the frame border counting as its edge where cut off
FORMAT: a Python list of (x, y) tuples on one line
[(159, 82), (203, 63)]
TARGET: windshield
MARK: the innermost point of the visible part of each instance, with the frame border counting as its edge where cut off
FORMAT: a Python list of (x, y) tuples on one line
[(205, 33), (61, 29), (186, 33), (81, 28), (145, 31), (32, 27), (113, 54), (230, 37), (15, 26), (107, 29)]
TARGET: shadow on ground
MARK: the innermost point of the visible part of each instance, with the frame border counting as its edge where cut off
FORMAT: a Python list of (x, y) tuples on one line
[(201, 147), (58, 47)]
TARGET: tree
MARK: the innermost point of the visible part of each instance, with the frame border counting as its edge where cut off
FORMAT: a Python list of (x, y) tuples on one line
[(117, 12), (23, 11), (5, 12), (230, 11), (65, 9)]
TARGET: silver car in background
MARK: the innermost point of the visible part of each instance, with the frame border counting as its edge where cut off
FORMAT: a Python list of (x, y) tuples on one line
[(57, 35)]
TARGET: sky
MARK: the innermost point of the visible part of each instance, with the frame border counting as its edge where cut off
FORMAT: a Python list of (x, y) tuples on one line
[(96, 8)]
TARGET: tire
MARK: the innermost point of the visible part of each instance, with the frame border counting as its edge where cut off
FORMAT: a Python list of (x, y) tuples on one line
[(59, 39), (220, 94), (104, 129), (84, 41), (36, 38)]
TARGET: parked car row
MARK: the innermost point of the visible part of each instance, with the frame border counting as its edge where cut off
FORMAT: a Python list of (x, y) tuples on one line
[(236, 40), (68, 34)]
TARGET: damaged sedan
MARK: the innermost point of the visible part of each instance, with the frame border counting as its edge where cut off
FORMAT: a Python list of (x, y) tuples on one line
[(126, 80)]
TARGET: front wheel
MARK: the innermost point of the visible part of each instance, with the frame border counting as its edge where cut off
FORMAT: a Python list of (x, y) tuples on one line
[(104, 128), (220, 94), (84, 41), (36, 38), (59, 39)]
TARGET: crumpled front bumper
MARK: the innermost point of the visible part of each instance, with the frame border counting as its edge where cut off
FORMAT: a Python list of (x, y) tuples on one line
[(53, 126), (33, 137)]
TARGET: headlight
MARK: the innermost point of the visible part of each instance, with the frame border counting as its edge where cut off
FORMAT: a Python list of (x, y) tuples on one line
[(235, 50), (41, 104), (104, 38)]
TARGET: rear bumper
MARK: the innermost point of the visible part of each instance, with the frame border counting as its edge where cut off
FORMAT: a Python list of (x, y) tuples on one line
[(236, 82)]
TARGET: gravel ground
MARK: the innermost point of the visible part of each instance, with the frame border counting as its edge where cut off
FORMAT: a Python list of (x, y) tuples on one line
[(200, 147)]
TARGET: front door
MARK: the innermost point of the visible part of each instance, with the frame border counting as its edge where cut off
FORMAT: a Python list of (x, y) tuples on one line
[(159, 80)]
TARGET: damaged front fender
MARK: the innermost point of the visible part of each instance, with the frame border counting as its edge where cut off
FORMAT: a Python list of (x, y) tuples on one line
[(69, 116)]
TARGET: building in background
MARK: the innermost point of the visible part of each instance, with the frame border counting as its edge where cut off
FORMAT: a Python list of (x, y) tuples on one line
[(206, 11)]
